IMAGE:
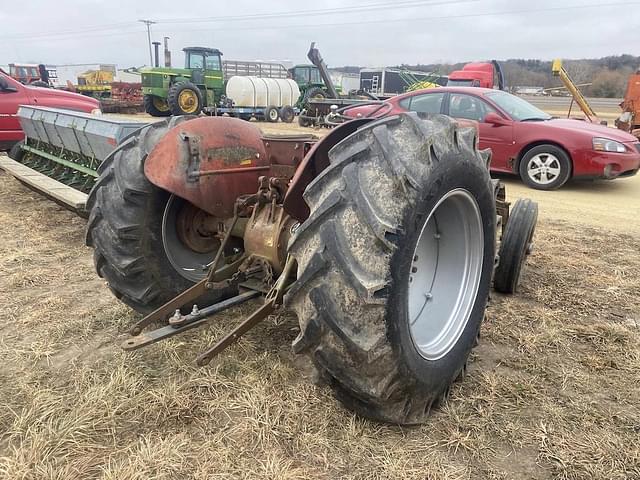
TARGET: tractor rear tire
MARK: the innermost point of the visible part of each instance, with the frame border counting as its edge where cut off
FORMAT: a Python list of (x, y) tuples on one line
[(363, 274), (125, 226), (515, 245), (314, 92), (151, 106), (184, 98)]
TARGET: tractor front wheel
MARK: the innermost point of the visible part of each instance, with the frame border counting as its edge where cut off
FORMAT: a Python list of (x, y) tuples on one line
[(314, 93), (515, 245), (395, 264), (156, 106), (184, 98)]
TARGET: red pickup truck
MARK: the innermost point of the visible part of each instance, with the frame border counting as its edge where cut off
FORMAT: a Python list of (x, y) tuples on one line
[(13, 94)]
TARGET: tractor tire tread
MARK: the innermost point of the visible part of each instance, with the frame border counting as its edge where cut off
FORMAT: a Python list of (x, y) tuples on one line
[(151, 109), (340, 295), (513, 246), (172, 98), (122, 205)]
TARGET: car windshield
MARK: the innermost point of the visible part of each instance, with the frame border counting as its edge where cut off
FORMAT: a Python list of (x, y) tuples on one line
[(516, 107)]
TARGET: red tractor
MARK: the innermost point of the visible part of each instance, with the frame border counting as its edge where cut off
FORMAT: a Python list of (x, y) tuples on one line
[(381, 237)]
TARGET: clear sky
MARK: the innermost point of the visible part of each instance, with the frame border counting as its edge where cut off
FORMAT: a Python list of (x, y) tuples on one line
[(348, 32)]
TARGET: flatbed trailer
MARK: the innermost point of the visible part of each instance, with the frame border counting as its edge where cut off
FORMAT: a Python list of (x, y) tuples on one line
[(245, 113)]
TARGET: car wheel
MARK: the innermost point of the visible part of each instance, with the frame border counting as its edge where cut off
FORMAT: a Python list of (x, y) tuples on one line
[(545, 167)]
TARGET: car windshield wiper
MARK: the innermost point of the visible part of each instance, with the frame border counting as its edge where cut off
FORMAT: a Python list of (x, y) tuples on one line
[(533, 119)]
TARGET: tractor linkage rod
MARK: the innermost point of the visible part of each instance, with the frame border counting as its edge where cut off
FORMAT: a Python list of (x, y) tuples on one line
[(272, 301), (190, 321)]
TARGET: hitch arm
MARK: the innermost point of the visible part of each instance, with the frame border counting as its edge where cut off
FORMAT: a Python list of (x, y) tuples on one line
[(234, 335), (272, 301), (196, 320)]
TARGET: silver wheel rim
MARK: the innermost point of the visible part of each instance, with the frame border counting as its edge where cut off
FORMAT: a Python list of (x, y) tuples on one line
[(543, 168), (189, 264), (444, 275), (273, 114)]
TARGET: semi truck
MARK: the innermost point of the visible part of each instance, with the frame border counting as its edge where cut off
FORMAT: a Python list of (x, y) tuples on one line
[(478, 74)]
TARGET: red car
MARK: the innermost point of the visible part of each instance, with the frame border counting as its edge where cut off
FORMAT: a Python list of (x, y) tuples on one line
[(545, 151), (13, 94)]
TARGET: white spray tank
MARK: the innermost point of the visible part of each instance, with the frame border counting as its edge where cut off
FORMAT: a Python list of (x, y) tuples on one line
[(257, 92)]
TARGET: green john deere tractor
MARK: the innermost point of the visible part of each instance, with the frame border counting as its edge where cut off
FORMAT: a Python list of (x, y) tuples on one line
[(309, 81), (184, 91)]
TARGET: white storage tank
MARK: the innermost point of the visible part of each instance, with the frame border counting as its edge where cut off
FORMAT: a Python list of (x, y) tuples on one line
[(255, 92)]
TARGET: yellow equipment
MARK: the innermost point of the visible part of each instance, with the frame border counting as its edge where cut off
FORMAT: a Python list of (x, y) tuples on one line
[(576, 95), (421, 85), (95, 81)]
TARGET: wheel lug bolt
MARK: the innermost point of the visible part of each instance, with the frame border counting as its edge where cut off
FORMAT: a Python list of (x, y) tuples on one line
[(415, 258), (414, 269)]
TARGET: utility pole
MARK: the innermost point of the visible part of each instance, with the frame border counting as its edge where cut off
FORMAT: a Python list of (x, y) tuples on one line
[(148, 23)]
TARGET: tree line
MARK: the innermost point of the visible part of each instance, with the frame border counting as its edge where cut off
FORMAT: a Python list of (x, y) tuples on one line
[(606, 76)]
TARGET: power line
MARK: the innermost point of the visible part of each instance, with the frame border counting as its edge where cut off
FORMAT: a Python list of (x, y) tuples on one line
[(414, 19), (323, 11), (326, 11), (95, 28), (96, 31), (120, 33)]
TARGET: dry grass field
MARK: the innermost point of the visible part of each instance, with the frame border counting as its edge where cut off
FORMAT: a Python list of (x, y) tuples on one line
[(552, 390)]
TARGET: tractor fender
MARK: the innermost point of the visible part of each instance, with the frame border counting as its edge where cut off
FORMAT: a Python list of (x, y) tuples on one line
[(209, 161), (314, 162), (317, 159)]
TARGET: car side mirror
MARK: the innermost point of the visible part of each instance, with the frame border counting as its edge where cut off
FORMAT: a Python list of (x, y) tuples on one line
[(5, 87), (494, 119)]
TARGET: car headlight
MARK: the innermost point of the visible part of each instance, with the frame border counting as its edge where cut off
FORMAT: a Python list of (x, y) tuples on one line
[(607, 145), (96, 111)]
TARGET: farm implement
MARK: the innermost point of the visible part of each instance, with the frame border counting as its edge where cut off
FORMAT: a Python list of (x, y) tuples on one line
[(63, 150)]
